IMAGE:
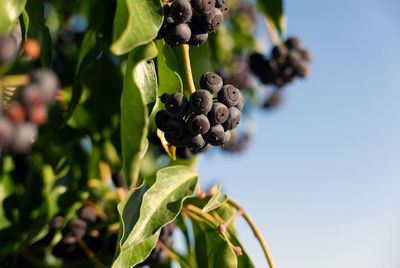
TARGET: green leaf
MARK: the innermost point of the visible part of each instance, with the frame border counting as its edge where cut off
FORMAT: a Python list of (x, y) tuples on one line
[(274, 10), (217, 200), (9, 13), (136, 23), (200, 245), (145, 211), (140, 83), (38, 30)]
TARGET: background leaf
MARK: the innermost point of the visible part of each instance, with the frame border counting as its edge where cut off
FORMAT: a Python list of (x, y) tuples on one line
[(136, 23), (217, 200), (139, 84), (9, 13), (274, 10), (144, 212)]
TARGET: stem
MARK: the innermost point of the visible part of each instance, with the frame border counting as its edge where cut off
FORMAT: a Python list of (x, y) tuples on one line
[(14, 80), (89, 253), (271, 31), (188, 69), (256, 232), (171, 254), (234, 216), (198, 211)]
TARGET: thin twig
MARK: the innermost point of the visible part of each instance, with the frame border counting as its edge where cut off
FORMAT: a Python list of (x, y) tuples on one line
[(198, 211), (188, 68), (171, 254), (271, 31), (256, 232), (89, 253)]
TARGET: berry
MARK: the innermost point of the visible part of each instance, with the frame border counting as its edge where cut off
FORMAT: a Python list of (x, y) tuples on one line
[(181, 11), (201, 102), (176, 105), (202, 149), (38, 114), (25, 133), (279, 51), (213, 19), (240, 104), (203, 6), (215, 135), (176, 128), (211, 81), (88, 214), (305, 54), (274, 100), (218, 114), (302, 70), (161, 119), (32, 95), (220, 3), (16, 112), (198, 124), (164, 97), (32, 48), (227, 137), (233, 119), (229, 95), (192, 142), (77, 228), (118, 180), (198, 37), (48, 82), (177, 34), (184, 153), (8, 48), (256, 61), (293, 43), (177, 142), (67, 247), (293, 58), (6, 132)]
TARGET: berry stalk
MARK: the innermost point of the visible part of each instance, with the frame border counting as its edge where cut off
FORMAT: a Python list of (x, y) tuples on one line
[(188, 68), (271, 31), (256, 232), (171, 254)]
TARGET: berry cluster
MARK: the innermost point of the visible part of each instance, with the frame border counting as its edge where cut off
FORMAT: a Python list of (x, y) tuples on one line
[(288, 61), (190, 22), (19, 121), (158, 255), (200, 122), (68, 247)]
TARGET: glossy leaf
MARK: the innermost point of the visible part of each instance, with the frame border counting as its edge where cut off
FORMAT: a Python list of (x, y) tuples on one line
[(136, 23), (217, 200), (274, 10), (9, 13), (145, 211), (140, 84)]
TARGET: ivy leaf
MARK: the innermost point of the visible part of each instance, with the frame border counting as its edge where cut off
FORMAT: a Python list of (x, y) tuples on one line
[(274, 10), (136, 23), (9, 13), (140, 83), (200, 243), (38, 30), (145, 211), (217, 200)]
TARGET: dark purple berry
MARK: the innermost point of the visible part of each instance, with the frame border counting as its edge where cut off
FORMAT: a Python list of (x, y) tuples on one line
[(233, 119), (176, 105), (118, 179), (218, 114), (214, 19), (177, 142), (48, 82), (240, 104), (203, 6), (164, 97), (162, 118), (229, 95), (8, 48), (77, 228), (198, 37), (279, 51), (215, 135), (305, 54), (293, 58), (202, 149), (293, 43), (192, 142), (227, 136), (7, 132), (25, 133), (198, 124), (211, 81), (181, 11), (176, 128), (88, 214), (184, 153), (178, 34), (273, 100), (201, 102), (220, 3)]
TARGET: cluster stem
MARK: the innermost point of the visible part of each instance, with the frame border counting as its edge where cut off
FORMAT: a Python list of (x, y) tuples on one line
[(188, 68), (89, 253), (271, 31)]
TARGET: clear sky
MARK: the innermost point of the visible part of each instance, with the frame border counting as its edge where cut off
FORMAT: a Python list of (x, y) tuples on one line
[(322, 175)]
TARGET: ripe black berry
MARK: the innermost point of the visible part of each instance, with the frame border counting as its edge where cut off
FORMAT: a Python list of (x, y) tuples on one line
[(273, 100), (202, 149), (164, 97), (279, 51), (293, 43), (48, 82), (227, 137), (214, 19), (293, 58), (218, 114), (162, 118), (6, 132), (233, 119), (88, 214), (176, 128), (211, 81), (229, 95), (8, 48), (203, 6), (305, 54), (181, 11), (177, 34), (201, 101), (220, 3), (176, 105), (198, 37), (77, 228), (198, 124), (215, 135), (177, 142), (240, 104), (192, 142), (184, 153)]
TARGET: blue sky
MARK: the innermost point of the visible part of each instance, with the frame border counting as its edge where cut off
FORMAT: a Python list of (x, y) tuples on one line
[(321, 177)]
